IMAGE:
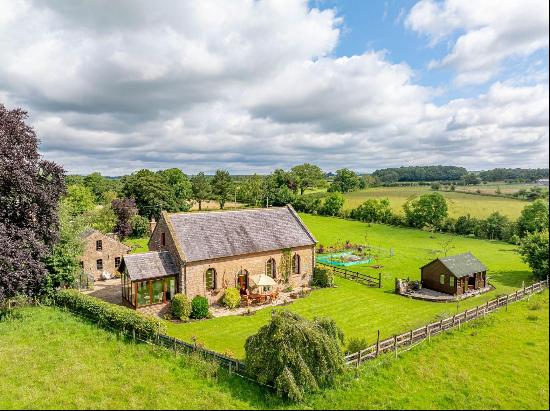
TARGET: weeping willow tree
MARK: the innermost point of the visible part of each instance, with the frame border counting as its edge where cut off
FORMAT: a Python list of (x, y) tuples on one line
[(295, 355)]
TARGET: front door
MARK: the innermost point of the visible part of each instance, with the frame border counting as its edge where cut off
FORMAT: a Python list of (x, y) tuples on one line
[(243, 279)]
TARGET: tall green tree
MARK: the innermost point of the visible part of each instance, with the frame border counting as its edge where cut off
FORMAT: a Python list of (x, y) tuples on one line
[(428, 209), (534, 250), (472, 179), (250, 191), (344, 181), (222, 187), (97, 184), (79, 199), (308, 176), (333, 204), (151, 193), (496, 226), (201, 188), (181, 186), (63, 261), (533, 218), (276, 189)]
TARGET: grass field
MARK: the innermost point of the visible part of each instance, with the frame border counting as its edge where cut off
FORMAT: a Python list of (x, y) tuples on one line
[(51, 359), (361, 311), (458, 203), (138, 245)]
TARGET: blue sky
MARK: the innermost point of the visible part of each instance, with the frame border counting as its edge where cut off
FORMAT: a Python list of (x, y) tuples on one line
[(379, 25), (254, 85)]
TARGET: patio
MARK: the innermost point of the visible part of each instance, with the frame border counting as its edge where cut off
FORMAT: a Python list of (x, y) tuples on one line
[(283, 298)]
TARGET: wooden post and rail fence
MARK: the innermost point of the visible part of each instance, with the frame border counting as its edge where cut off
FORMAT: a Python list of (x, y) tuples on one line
[(411, 337), (362, 278)]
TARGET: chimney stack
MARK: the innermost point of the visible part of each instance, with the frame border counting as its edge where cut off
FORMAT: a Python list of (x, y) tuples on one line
[(152, 225)]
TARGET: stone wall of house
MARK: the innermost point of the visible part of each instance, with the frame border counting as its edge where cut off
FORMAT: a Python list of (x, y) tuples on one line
[(228, 268), (155, 244), (111, 249)]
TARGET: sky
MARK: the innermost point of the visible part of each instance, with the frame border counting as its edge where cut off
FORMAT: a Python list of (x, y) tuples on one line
[(250, 86)]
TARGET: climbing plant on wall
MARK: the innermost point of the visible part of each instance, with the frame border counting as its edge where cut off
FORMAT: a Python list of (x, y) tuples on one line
[(285, 265)]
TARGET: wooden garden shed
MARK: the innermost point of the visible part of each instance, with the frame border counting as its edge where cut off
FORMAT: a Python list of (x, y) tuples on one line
[(455, 274)]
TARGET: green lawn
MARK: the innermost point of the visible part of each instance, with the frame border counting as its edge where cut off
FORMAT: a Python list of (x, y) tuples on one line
[(500, 362), (361, 311), (458, 203), (138, 245), (52, 359)]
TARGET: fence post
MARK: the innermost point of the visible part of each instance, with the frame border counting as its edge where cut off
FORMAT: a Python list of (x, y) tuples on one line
[(507, 297), (477, 311), (379, 280), (358, 358), (395, 345), (378, 343), (487, 307), (441, 325), (429, 335)]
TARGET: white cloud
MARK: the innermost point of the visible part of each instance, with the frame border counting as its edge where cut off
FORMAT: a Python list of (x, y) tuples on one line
[(244, 85), (490, 31)]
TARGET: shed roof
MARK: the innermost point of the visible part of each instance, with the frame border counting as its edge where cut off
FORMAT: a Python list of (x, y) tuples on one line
[(208, 235), (462, 265), (153, 264)]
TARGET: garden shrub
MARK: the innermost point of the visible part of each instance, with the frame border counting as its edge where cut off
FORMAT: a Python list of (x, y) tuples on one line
[(322, 277), (181, 307), (110, 315), (232, 298), (357, 344), (295, 355), (199, 307)]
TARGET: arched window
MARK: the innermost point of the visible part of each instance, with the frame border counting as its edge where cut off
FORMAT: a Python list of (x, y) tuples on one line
[(210, 279), (296, 264), (271, 268)]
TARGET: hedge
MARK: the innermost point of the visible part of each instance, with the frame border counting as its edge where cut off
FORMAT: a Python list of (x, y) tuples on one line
[(110, 315)]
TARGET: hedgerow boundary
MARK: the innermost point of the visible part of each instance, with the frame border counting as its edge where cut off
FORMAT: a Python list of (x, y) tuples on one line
[(413, 337)]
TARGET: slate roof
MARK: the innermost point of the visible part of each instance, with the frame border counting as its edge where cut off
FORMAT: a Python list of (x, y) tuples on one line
[(464, 264), (208, 235), (153, 264)]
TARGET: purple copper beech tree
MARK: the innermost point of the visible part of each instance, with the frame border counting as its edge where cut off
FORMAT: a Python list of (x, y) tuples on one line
[(30, 189)]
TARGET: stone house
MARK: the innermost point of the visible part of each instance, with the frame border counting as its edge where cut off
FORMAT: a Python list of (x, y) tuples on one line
[(203, 253), (102, 253)]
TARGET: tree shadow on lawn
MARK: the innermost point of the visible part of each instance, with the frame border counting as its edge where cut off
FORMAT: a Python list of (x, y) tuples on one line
[(511, 278)]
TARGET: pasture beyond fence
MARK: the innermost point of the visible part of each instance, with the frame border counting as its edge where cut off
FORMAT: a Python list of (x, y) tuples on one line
[(407, 339), (364, 279)]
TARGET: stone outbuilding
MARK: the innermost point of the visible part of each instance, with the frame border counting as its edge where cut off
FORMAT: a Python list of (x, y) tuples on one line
[(102, 255), (204, 253)]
